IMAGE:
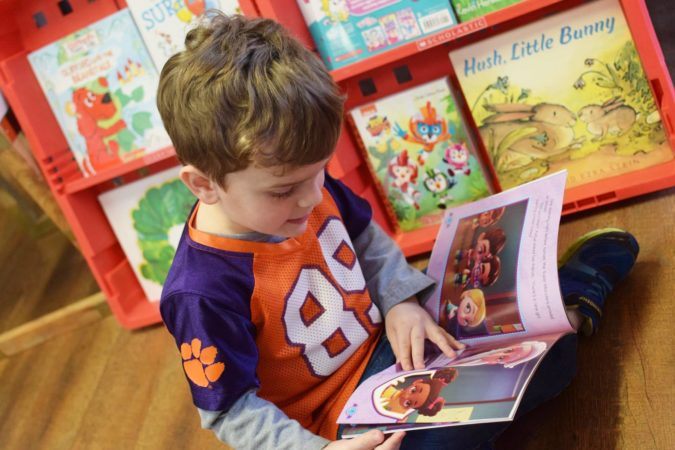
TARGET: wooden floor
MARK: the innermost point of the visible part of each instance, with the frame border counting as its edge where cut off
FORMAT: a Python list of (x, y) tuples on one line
[(103, 387), (40, 270)]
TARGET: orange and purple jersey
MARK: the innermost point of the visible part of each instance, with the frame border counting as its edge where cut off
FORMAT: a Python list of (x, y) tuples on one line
[(293, 319)]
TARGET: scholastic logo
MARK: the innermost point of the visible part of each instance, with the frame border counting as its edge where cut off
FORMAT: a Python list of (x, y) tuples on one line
[(449, 34)]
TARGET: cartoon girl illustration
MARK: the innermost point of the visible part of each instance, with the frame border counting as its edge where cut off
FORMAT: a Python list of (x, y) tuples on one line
[(403, 173), (509, 357), (468, 318), (483, 264), (336, 10), (416, 392), (457, 157)]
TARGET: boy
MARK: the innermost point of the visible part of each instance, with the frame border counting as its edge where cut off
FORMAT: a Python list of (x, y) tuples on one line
[(281, 280)]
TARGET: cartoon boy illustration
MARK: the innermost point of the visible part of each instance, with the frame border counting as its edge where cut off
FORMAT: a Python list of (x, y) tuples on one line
[(483, 264), (487, 218), (509, 357), (467, 319), (420, 393)]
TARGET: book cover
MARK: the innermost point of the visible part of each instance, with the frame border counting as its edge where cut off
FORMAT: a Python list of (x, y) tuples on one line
[(148, 217), (347, 31), (100, 83), (567, 92), (420, 154), (518, 311), (470, 9), (164, 24)]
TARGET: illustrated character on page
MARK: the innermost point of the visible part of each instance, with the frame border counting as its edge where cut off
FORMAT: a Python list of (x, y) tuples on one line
[(403, 174), (415, 392), (425, 128)]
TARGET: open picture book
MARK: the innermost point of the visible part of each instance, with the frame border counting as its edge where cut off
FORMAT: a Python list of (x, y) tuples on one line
[(497, 291)]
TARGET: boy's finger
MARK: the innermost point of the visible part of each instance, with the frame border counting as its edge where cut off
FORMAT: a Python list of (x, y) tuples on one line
[(366, 441), (445, 342), (393, 442), (417, 341), (404, 352)]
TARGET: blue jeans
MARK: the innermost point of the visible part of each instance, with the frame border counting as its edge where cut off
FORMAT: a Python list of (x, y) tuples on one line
[(552, 376)]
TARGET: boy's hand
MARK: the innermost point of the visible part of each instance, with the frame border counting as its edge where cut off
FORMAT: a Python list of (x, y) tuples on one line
[(408, 325), (372, 440)]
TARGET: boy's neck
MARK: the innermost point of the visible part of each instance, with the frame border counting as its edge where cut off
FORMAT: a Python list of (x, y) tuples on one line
[(211, 219)]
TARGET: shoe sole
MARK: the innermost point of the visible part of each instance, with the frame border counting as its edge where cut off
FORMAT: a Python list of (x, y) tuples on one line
[(576, 245)]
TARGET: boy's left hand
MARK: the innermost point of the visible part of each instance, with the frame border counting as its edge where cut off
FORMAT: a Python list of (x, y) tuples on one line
[(408, 325)]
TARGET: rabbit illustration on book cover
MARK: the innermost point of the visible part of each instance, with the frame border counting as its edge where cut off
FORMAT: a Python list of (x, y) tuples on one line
[(611, 118)]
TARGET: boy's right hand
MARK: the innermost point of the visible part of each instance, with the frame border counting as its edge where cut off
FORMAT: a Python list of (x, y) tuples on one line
[(372, 440)]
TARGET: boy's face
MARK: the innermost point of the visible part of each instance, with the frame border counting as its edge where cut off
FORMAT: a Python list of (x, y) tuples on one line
[(271, 200)]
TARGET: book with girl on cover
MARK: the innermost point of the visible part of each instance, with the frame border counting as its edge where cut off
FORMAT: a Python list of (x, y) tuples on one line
[(497, 292)]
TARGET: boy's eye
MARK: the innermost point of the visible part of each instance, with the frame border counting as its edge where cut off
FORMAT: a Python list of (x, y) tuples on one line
[(280, 195)]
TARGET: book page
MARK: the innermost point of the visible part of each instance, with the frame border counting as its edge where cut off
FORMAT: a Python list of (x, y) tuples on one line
[(483, 384), (495, 264)]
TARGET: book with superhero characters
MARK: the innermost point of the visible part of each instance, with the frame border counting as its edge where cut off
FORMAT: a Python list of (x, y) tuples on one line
[(148, 216), (420, 153), (100, 83), (164, 25), (564, 92), (497, 291), (347, 31)]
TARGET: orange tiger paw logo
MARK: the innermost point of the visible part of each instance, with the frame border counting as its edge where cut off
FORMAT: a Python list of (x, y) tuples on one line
[(199, 363)]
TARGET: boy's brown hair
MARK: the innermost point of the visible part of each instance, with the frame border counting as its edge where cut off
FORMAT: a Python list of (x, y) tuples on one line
[(244, 91)]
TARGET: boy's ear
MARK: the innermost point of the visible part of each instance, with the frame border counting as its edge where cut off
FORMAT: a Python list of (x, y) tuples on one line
[(199, 184)]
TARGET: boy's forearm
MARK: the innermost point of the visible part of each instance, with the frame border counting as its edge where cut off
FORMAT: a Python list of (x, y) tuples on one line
[(389, 277), (254, 423)]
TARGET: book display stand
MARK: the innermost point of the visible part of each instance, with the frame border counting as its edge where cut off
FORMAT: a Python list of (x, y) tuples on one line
[(28, 25)]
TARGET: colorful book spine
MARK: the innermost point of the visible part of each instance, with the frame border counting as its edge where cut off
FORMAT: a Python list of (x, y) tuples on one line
[(566, 92), (420, 154), (347, 31), (164, 24), (100, 83), (470, 9)]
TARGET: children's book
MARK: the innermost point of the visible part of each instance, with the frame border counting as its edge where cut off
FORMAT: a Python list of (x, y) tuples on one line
[(565, 92), (164, 24), (470, 9), (419, 151), (347, 31), (497, 291), (148, 216), (100, 83)]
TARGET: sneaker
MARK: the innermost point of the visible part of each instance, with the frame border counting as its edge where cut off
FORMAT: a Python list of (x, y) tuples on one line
[(591, 267)]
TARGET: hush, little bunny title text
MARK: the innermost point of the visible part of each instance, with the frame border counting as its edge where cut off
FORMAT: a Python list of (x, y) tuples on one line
[(525, 48)]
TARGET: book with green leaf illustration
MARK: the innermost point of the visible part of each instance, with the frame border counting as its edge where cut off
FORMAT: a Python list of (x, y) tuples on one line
[(420, 154), (565, 92), (100, 83), (148, 216)]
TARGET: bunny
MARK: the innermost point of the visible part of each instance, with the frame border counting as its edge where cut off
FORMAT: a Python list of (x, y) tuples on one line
[(612, 117), (518, 134)]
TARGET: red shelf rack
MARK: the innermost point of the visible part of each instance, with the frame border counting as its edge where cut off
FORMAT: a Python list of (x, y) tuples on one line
[(425, 59)]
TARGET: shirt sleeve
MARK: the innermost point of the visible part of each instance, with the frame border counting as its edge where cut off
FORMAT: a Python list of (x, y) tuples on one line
[(253, 423), (355, 211), (216, 340), (389, 277)]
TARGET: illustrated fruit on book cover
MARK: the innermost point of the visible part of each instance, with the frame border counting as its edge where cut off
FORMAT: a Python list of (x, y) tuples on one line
[(147, 217), (419, 151), (164, 24), (100, 83), (346, 31), (470, 9), (567, 92)]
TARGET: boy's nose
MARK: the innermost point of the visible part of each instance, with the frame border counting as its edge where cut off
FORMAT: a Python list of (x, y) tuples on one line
[(312, 198)]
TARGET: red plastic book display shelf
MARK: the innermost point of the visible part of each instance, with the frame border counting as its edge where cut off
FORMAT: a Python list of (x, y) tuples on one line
[(398, 69)]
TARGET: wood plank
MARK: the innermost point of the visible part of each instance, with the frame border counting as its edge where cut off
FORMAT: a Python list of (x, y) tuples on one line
[(66, 319)]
